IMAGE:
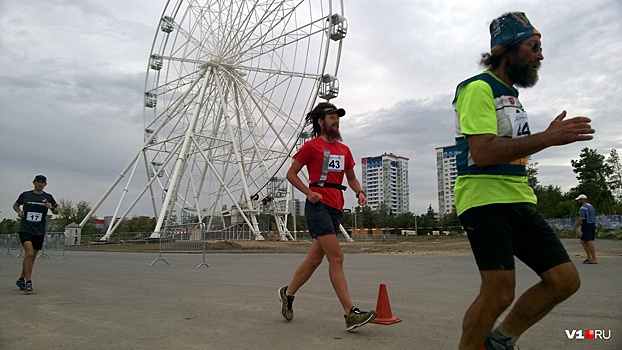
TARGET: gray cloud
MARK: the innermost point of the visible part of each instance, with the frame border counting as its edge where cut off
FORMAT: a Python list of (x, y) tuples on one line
[(71, 86)]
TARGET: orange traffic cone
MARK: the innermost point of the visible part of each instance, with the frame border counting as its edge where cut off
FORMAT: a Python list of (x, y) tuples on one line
[(383, 307)]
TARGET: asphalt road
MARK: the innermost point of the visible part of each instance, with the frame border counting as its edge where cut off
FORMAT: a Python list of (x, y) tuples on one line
[(108, 300)]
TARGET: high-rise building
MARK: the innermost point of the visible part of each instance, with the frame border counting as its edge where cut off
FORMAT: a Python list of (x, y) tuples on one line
[(446, 173), (298, 207), (385, 180)]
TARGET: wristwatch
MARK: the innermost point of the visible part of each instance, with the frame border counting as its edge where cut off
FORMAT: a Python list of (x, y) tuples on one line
[(358, 193)]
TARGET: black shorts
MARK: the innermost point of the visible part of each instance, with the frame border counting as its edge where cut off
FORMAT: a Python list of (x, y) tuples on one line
[(498, 232), (588, 232), (322, 219), (37, 241)]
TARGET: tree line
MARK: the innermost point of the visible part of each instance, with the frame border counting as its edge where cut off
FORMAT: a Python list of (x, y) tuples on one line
[(599, 178)]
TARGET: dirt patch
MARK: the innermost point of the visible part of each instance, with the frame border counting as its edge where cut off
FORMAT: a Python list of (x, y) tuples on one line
[(222, 245), (439, 247)]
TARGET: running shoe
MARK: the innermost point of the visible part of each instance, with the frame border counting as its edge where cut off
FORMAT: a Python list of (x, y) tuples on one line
[(21, 284), (287, 301), (358, 318), (28, 288), (498, 344)]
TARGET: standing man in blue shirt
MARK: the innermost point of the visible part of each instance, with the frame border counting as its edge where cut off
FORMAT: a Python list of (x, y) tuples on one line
[(32, 208), (587, 221)]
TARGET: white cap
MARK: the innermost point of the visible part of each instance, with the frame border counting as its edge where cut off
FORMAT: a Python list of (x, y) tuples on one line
[(581, 196)]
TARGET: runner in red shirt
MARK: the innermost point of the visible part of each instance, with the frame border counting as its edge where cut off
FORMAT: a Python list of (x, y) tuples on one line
[(327, 160)]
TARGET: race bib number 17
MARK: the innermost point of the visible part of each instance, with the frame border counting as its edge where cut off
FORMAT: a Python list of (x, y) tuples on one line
[(34, 217)]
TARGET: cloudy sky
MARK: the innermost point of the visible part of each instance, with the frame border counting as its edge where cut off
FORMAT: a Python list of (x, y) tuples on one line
[(72, 83)]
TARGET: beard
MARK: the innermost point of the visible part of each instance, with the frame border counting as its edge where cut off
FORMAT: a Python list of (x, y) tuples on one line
[(523, 74), (332, 133)]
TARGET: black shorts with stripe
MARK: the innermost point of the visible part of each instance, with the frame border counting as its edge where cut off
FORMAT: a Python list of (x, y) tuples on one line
[(498, 232)]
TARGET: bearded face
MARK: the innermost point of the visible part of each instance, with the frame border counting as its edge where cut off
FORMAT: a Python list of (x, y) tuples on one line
[(523, 64), (330, 127)]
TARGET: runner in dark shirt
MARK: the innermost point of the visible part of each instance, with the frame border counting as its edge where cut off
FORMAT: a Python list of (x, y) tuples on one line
[(32, 208)]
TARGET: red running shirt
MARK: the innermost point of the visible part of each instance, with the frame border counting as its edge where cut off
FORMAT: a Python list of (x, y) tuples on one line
[(311, 155)]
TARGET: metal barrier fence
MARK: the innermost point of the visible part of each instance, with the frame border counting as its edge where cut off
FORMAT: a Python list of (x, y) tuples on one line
[(232, 233), (9, 243), (187, 238), (53, 241), (192, 238)]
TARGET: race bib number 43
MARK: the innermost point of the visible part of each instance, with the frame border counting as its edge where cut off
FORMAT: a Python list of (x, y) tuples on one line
[(34, 217), (336, 163)]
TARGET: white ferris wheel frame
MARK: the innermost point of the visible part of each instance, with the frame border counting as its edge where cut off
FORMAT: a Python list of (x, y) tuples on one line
[(208, 100)]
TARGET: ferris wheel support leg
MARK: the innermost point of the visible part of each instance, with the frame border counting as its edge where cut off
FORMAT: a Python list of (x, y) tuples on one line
[(255, 228), (284, 234), (250, 219), (180, 162), (343, 231), (112, 187), (113, 227), (238, 158)]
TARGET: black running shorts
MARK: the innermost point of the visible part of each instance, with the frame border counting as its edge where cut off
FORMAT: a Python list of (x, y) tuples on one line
[(498, 232), (37, 240), (322, 219)]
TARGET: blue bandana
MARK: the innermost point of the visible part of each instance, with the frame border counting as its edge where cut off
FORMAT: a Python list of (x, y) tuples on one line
[(509, 30)]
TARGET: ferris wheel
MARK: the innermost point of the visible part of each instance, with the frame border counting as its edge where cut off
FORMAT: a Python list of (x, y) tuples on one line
[(227, 87)]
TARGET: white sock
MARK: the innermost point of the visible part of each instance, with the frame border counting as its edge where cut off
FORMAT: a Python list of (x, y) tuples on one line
[(501, 333)]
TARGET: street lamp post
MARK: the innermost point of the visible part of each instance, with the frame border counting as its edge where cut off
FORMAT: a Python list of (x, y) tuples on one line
[(354, 210), (294, 213)]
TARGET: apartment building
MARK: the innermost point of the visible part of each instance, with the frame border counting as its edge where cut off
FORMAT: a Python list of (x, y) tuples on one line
[(446, 173), (385, 180)]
